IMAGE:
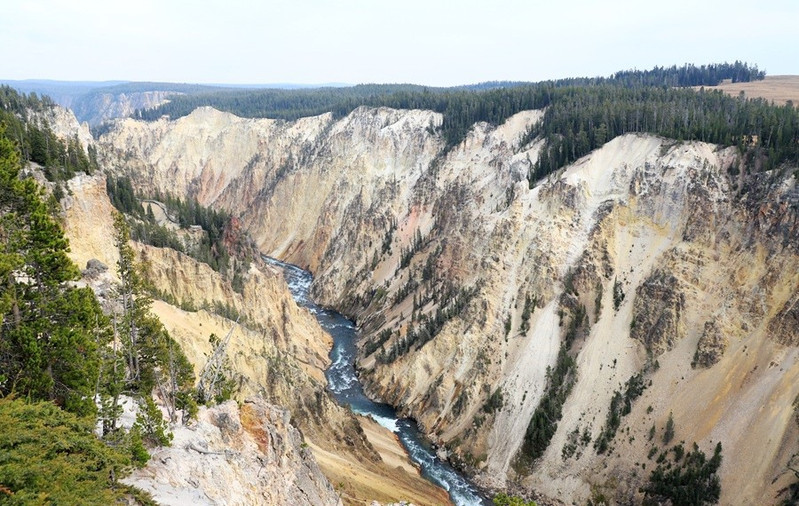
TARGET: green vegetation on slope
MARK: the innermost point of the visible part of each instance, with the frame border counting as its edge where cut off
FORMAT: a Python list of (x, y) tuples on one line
[(50, 331), (429, 325), (620, 406), (152, 359), (689, 479), (220, 247), (544, 423), (560, 380), (50, 456), (503, 499), (580, 119), (55, 357), (35, 139)]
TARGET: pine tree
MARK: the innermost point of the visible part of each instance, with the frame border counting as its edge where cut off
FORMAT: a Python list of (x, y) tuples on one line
[(50, 330), (50, 456), (152, 358), (134, 301)]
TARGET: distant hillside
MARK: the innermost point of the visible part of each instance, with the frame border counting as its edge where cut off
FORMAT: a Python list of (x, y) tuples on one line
[(63, 93), (121, 100), (98, 101)]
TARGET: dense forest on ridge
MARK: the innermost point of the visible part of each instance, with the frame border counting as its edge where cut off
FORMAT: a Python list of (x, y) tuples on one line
[(581, 113)]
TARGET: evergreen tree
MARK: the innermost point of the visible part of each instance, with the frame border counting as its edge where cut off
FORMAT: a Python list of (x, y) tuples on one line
[(50, 330), (50, 456), (691, 479), (152, 358), (135, 305)]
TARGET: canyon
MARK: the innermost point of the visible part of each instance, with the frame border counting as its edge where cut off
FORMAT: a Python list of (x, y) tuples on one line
[(648, 257), (277, 357)]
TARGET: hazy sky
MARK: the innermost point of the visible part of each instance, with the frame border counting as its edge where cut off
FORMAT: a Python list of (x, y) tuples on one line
[(353, 41)]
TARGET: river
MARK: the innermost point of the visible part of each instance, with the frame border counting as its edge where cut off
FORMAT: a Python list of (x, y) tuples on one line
[(343, 383)]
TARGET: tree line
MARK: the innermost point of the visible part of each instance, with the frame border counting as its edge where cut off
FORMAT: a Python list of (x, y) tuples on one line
[(461, 107), (581, 119), (691, 75)]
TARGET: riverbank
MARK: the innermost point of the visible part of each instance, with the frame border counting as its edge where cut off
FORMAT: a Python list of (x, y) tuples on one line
[(395, 479)]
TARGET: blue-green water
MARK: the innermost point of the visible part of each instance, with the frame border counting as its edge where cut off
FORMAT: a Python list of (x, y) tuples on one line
[(346, 388)]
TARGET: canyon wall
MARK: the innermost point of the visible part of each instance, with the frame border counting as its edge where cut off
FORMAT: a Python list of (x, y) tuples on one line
[(665, 260), (276, 355)]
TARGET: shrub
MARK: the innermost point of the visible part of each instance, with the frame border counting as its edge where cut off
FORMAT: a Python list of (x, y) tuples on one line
[(48, 455), (151, 425)]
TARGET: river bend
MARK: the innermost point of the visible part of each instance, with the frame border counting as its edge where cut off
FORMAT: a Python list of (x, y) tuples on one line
[(343, 383)]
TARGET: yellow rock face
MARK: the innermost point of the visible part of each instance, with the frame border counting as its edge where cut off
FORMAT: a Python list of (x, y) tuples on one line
[(278, 354), (349, 198)]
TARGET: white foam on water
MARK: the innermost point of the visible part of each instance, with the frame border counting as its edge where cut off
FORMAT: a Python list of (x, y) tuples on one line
[(339, 384), (383, 421)]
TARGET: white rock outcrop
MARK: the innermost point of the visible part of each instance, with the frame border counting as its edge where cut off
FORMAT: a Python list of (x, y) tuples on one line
[(236, 456)]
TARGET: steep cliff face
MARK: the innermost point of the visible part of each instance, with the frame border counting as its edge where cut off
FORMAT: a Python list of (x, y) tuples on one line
[(204, 153), (89, 222), (263, 304), (645, 257), (96, 108), (657, 312), (64, 124), (681, 245)]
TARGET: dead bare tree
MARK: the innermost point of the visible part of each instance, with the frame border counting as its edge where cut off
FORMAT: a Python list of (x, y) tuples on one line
[(213, 371)]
